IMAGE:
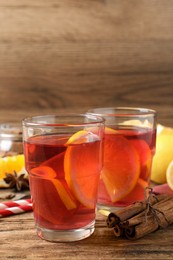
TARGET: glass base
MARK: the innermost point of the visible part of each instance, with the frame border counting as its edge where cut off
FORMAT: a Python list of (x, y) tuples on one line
[(65, 235)]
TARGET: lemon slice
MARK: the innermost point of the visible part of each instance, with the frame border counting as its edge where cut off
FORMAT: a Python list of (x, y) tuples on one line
[(169, 175)]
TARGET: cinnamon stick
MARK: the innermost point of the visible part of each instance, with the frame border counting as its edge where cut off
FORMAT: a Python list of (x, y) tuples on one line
[(131, 210), (136, 232), (163, 205), (118, 231), (150, 226), (140, 219)]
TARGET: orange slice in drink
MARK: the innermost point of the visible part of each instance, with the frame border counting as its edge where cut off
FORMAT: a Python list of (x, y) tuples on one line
[(48, 173), (137, 194), (121, 167), (145, 156), (82, 166), (9, 164)]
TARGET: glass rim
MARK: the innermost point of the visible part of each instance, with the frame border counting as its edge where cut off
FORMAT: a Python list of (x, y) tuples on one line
[(140, 111), (96, 120)]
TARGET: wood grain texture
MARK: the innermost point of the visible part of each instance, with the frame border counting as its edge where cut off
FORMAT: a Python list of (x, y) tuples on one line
[(73, 55), (19, 241)]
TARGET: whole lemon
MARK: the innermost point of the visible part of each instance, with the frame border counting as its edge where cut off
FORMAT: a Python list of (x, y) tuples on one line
[(161, 129), (162, 157)]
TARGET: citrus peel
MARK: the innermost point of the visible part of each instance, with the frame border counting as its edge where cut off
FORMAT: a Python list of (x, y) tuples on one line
[(48, 173)]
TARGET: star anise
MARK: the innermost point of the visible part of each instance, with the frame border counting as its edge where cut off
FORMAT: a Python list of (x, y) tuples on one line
[(19, 182)]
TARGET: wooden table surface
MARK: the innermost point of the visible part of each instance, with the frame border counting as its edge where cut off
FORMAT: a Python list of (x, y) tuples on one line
[(19, 241)]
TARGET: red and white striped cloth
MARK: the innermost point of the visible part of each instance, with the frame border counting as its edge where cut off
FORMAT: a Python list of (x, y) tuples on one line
[(15, 207)]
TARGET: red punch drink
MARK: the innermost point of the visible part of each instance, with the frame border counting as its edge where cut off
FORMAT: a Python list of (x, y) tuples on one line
[(129, 146), (59, 174), (64, 171)]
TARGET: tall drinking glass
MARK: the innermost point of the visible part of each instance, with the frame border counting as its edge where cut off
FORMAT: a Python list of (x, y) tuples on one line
[(63, 156), (129, 146)]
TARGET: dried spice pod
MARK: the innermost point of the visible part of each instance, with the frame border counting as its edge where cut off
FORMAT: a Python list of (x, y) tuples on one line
[(20, 182)]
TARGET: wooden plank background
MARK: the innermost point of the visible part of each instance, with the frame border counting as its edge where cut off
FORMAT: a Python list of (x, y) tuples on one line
[(71, 55)]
